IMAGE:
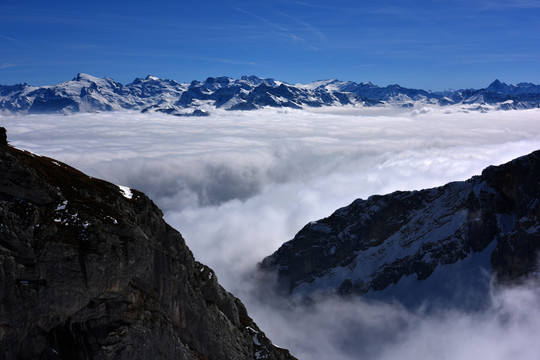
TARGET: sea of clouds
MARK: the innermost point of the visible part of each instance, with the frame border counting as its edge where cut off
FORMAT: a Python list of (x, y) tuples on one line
[(239, 184)]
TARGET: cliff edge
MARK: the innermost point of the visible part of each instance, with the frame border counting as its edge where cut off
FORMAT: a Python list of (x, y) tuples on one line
[(90, 270)]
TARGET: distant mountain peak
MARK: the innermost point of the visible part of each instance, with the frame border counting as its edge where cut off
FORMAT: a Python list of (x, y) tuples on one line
[(320, 83), (151, 77), (497, 85), (251, 78), (247, 93), (219, 79), (86, 77)]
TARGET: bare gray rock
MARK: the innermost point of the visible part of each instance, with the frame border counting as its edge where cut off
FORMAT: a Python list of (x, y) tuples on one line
[(90, 270)]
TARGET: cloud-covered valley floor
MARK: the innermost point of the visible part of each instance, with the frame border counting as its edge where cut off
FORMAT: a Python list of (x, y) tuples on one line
[(239, 184)]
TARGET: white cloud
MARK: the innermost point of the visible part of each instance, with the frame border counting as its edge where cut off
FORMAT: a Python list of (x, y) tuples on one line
[(239, 184), (335, 328)]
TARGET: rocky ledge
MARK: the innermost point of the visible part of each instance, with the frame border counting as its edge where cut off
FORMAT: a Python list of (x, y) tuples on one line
[(90, 270), (488, 224)]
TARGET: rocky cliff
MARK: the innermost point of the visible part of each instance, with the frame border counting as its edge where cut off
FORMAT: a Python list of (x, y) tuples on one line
[(90, 270), (459, 231)]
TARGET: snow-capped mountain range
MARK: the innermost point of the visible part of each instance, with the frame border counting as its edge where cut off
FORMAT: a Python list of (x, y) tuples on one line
[(86, 93), (446, 242)]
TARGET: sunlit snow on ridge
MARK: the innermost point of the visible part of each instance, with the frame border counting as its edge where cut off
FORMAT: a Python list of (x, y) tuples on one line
[(125, 191), (239, 184)]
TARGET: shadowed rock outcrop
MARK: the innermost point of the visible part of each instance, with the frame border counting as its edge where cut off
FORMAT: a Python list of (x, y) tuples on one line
[(374, 244), (3, 136), (90, 270)]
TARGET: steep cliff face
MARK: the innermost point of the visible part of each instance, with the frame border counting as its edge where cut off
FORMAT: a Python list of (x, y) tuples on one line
[(374, 244), (90, 270)]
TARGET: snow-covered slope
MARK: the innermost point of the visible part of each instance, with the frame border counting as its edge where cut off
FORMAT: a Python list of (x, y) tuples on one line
[(86, 93), (424, 243)]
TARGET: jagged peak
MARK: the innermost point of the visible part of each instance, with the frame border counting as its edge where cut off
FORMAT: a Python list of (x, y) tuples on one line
[(254, 80), (218, 79), (86, 77), (497, 85), (318, 84), (83, 79), (152, 77), (251, 78), (325, 82)]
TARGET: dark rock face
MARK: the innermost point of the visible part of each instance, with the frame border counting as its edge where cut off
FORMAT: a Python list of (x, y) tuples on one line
[(374, 243), (89, 270), (3, 136)]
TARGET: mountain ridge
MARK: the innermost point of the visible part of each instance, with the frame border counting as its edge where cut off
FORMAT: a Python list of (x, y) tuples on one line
[(89, 269), (373, 245), (86, 93)]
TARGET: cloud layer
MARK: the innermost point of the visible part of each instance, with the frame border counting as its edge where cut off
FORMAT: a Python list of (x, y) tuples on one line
[(239, 184), (354, 329)]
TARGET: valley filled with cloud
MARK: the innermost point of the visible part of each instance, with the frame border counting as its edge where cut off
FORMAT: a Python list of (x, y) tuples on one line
[(237, 185)]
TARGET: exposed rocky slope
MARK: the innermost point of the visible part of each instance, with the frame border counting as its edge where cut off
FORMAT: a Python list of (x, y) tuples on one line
[(376, 244), (86, 93), (90, 270)]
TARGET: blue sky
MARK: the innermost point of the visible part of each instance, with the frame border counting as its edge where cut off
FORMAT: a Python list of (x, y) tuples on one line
[(428, 44)]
